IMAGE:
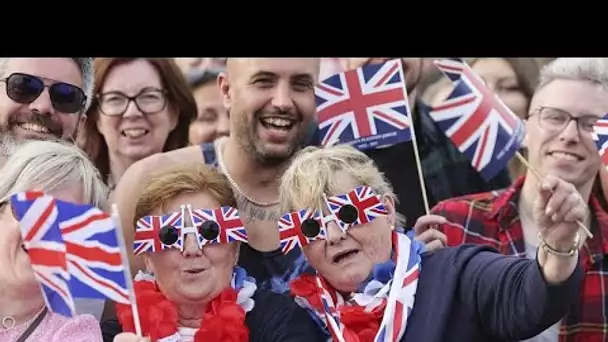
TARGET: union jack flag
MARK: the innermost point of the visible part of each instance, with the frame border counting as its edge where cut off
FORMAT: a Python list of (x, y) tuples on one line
[(290, 229), (368, 204), (332, 318), (365, 107), (601, 138), (228, 220), (401, 299), (147, 229), (37, 216), (93, 252), (477, 122)]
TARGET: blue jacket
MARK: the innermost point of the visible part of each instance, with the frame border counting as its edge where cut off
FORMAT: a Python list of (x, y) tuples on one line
[(471, 293)]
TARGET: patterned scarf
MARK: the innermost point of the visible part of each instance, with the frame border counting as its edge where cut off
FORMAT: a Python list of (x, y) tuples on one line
[(379, 311)]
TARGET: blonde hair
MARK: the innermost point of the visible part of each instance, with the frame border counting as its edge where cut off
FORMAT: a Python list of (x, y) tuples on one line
[(47, 166), (173, 181), (313, 173), (594, 70)]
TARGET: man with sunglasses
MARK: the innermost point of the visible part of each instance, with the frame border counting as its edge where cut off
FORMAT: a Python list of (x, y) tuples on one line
[(44, 98), (571, 97)]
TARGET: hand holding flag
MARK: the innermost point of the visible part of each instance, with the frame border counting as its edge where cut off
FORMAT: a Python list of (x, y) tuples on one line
[(76, 251)]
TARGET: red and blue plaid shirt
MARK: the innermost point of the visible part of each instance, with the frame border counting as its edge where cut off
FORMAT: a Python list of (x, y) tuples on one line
[(492, 218)]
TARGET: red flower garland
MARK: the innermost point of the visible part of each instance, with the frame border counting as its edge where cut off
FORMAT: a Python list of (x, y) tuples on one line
[(223, 319), (359, 325)]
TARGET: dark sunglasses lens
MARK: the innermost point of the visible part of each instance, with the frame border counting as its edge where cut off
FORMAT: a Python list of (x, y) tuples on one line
[(23, 88), (209, 230), (168, 235), (66, 98), (348, 213), (310, 228)]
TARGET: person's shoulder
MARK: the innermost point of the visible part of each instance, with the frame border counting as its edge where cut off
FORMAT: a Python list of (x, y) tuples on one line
[(78, 328), (277, 317), (483, 201), (156, 161)]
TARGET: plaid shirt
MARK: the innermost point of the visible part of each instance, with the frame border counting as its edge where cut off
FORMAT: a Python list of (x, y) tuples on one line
[(492, 218)]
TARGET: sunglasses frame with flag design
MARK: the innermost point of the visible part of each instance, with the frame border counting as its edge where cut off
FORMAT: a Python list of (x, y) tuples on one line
[(155, 233), (356, 207)]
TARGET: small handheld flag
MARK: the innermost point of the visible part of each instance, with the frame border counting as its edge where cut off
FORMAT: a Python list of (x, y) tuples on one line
[(365, 107), (479, 124)]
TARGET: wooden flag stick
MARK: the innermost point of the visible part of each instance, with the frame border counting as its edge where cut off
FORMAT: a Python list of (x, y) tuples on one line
[(415, 143), (540, 178), (125, 262)]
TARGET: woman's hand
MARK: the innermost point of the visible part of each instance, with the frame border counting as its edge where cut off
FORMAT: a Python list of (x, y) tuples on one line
[(426, 232), (130, 337)]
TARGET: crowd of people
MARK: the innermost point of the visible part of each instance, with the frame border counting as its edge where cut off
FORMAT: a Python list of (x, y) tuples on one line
[(503, 259)]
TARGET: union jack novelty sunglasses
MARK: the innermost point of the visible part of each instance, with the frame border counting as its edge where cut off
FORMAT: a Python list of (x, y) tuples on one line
[(359, 206), (210, 226)]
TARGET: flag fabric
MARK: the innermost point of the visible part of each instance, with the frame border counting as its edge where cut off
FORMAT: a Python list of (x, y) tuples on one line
[(231, 227), (479, 124), (290, 229), (399, 302), (74, 250), (93, 252), (366, 107), (368, 204), (147, 230), (601, 138), (37, 216)]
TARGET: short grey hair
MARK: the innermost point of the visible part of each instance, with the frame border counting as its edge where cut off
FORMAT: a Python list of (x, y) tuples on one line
[(51, 165), (593, 70), (85, 65)]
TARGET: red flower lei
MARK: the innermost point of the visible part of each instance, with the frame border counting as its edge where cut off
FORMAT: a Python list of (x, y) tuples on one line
[(223, 319), (359, 325)]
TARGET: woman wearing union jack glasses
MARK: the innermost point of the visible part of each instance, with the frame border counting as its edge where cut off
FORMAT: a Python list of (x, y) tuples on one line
[(188, 231), (373, 282)]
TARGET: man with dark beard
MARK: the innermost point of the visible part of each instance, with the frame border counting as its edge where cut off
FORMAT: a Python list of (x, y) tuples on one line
[(44, 98), (271, 104)]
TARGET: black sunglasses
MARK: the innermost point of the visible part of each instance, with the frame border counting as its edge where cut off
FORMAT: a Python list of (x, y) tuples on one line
[(24, 89)]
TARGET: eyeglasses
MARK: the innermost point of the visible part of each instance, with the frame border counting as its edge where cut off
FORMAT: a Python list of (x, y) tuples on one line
[(25, 89), (148, 101), (555, 120)]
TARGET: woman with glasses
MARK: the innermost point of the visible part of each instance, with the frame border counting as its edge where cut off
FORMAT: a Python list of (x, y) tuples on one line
[(63, 171), (142, 106)]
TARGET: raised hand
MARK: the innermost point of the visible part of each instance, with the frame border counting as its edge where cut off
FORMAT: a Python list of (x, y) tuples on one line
[(425, 230), (557, 209)]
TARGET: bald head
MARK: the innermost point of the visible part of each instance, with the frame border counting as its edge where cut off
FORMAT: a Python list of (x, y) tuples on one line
[(237, 67)]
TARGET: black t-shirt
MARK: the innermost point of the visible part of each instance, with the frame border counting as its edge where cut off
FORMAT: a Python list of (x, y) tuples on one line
[(272, 270)]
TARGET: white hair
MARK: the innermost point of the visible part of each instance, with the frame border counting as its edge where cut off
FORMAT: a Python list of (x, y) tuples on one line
[(593, 70), (50, 165), (85, 65), (7, 144)]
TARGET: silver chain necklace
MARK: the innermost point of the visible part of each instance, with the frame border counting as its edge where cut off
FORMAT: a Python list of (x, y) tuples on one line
[(220, 163)]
